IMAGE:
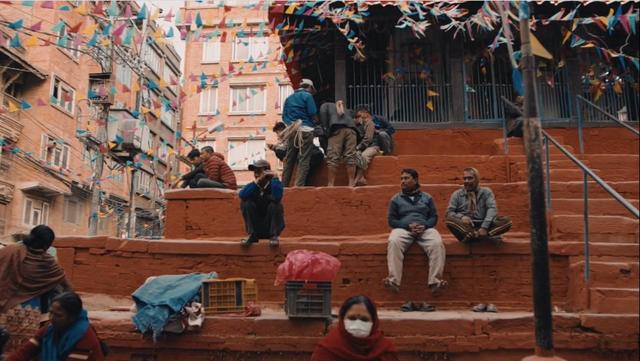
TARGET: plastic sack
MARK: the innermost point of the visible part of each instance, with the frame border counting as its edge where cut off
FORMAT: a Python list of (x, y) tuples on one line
[(305, 265)]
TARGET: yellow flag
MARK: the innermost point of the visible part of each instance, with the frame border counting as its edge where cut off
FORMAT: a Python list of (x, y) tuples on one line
[(538, 49), (89, 30), (112, 145), (156, 112), (617, 87), (431, 93), (155, 15), (290, 9), (430, 105), (105, 42), (566, 37), (144, 110), (135, 87), (588, 45), (81, 9), (162, 84), (598, 95), (13, 108), (32, 41)]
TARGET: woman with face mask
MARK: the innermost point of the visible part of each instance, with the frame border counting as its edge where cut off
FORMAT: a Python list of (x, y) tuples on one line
[(357, 336)]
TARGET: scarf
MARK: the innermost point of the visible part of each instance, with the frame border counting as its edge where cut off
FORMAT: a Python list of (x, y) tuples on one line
[(26, 273), (58, 350), (343, 346)]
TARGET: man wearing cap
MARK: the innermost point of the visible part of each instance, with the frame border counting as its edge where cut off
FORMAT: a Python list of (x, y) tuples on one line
[(301, 107), (261, 205)]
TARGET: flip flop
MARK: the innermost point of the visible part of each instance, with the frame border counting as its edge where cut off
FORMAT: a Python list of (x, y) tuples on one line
[(492, 308), (424, 307), (389, 284), (480, 307), (407, 307)]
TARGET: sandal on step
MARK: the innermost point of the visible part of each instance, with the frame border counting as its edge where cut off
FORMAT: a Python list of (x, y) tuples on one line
[(491, 308), (480, 307), (407, 307), (424, 307)]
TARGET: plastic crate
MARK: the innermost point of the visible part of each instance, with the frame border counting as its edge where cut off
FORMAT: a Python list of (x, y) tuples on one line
[(307, 299), (228, 295)]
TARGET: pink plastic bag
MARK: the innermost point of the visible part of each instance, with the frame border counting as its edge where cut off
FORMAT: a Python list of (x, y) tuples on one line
[(305, 265)]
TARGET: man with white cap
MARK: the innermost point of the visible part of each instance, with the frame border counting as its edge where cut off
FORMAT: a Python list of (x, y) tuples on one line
[(261, 205), (300, 114)]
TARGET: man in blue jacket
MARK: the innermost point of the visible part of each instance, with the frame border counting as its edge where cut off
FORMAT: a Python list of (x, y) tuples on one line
[(412, 217), (261, 205)]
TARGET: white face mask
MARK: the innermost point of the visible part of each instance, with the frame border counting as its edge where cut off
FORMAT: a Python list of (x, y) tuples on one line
[(358, 328)]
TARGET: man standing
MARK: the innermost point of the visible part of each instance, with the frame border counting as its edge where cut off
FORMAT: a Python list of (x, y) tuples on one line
[(219, 174), (472, 213), (280, 150), (412, 217), (343, 138), (261, 205), (299, 106)]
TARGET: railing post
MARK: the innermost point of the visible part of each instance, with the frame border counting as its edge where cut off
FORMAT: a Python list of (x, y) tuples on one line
[(585, 190), (505, 140), (579, 114), (548, 169)]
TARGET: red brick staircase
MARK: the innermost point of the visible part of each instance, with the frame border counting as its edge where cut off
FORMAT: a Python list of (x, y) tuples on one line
[(594, 321)]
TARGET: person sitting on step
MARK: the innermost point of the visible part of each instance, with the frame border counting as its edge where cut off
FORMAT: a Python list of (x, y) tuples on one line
[(357, 335), (412, 217), (219, 174), (191, 178), (367, 148), (261, 205), (280, 150), (473, 214)]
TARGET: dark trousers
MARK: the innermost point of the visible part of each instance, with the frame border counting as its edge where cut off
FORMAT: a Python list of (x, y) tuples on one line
[(464, 232), (263, 220), (208, 183), (300, 155)]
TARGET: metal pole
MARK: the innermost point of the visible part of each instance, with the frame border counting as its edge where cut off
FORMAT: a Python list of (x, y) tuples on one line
[(585, 195), (97, 175), (131, 225), (548, 178), (537, 212), (580, 139)]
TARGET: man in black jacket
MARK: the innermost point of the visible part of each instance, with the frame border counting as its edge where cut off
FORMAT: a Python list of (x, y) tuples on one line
[(412, 217)]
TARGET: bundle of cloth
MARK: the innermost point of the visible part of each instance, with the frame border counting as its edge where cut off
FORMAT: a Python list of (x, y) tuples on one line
[(169, 303)]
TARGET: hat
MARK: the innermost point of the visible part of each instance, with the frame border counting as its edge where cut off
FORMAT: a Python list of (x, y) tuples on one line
[(307, 82), (259, 164)]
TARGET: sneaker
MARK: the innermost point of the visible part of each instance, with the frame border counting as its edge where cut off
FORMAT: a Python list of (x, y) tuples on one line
[(249, 240)]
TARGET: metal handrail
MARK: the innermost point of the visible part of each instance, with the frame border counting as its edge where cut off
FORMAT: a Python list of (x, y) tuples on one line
[(587, 172), (607, 114)]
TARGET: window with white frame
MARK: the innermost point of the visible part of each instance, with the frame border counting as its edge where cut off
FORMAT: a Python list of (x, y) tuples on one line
[(211, 52), (72, 210), (54, 152), (243, 152), (116, 171), (35, 212), (153, 60), (168, 118), (255, 48), (284, 90), (64, 95), (207, 143), (209, 101), (123, 74), (169, 76), (143, 182), (67, 41), (248, 99)]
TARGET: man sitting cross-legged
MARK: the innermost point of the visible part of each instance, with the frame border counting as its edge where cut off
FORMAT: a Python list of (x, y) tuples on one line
[(472, 213), (413, 216)]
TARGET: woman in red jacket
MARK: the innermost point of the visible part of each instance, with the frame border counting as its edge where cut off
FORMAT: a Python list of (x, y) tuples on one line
[(67, 337), (357, 337)]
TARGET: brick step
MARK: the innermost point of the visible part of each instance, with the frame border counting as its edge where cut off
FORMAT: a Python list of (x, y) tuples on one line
[(476, 273), (517, 148), (203, 213), (617, 229), (460, 334), (611, 274), (574, 189), (597, 206), (615, 300)]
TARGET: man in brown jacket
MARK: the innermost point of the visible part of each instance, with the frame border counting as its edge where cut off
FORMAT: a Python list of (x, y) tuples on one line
[(219, 174)]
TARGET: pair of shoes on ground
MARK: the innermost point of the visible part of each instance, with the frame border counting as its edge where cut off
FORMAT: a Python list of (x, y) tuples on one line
[(417, 306), (274, 241), (481, 307)]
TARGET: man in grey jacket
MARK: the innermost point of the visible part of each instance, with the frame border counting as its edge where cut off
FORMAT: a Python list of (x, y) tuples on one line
[(473, 214), (412, 217)]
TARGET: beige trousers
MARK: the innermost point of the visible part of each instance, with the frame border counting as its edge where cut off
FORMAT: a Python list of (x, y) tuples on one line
[(430, 241)]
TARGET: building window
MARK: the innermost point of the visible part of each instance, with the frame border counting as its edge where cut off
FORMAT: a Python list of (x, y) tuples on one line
[(68, 43), (123, 74), (153, 60), (168, 118), (211, 52), (35, 212), (254, 48), (143, 182), (243, 152), (284, 91), (209, 101), (63, 96), (54, 152), (248, 99), (72, 210)]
